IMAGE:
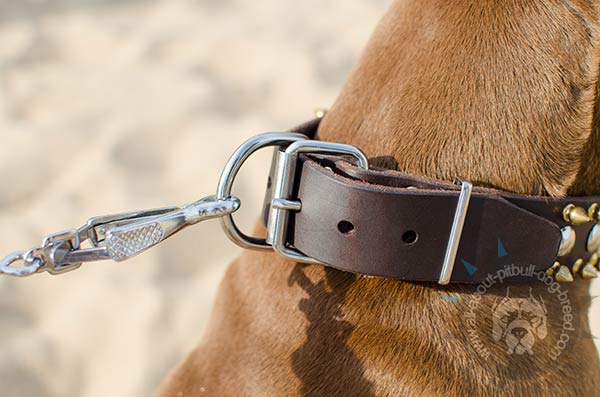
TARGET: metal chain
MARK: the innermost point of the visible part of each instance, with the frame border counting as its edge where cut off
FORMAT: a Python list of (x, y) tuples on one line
[(6, 266), (44, 257)]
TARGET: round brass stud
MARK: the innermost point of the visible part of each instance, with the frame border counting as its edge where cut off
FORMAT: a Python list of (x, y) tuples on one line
[(550, 271), (594, 212), (577, 265), (594, 259), (567, 241), (320, 113)]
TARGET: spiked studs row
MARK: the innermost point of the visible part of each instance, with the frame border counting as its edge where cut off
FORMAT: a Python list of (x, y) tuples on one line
[(578, 216)]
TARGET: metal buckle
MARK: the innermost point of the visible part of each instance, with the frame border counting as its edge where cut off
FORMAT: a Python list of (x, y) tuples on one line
[(290, 146), (457, 227), (282, 202)]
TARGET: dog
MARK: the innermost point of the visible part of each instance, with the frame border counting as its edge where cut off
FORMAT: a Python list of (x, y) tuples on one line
[(519, 322), (504, 94)]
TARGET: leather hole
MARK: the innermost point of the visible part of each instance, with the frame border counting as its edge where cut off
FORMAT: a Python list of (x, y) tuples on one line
[(345, 227), (269, 183), (409, 236)]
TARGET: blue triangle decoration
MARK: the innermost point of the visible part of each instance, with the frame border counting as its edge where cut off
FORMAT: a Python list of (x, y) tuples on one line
[(501, 250), (471, 269), (450, 298)]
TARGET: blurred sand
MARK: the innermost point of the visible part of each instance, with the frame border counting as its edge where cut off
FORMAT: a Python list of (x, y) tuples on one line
[(110, 105)]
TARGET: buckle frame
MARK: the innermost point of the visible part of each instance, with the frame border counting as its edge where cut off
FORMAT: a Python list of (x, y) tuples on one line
[(290, 146), (282, 202)]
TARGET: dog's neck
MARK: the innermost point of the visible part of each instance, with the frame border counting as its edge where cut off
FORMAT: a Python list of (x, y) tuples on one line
[(499, 93)]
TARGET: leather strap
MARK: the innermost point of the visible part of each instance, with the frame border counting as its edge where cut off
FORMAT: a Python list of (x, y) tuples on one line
[(390, 224)]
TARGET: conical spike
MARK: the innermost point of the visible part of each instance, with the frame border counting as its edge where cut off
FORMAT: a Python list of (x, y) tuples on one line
[(589, 272), (594, 259), (567, 240), (563, 275), (577, 265), (575, 215)]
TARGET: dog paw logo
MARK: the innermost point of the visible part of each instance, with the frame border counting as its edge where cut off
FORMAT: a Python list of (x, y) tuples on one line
[(519, 322)]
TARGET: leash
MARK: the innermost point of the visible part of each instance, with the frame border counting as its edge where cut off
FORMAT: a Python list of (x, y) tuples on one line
[(325, 205)]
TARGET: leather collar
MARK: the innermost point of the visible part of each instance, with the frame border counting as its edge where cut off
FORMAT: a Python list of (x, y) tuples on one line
[(386, 223)]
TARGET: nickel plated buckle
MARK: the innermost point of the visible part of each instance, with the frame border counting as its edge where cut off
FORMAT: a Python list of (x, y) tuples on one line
[(290, 146)]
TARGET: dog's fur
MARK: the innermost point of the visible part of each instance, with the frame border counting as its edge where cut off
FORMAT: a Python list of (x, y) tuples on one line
[(501, 93)]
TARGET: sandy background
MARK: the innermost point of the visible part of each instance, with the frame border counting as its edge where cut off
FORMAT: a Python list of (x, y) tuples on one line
[(112, 105)]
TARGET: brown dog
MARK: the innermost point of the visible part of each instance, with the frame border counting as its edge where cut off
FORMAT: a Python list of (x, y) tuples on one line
[(501, 93)]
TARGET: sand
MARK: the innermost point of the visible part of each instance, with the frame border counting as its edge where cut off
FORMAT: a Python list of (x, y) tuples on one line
[(110, 105)]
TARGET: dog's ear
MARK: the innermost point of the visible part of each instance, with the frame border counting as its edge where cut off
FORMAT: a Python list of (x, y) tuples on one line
[(480, 106), (502, 301), (497, 325), (587, 181), (497, 316), (543, 305), (495, 305), (542, 330)]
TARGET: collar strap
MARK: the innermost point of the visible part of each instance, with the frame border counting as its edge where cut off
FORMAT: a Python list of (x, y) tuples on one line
[(390, 224)]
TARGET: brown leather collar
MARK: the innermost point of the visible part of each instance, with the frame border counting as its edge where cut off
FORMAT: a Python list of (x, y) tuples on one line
[(390, 224)]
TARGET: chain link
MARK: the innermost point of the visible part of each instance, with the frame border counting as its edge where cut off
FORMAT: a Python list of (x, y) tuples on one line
[(44, 257), (7, 265)]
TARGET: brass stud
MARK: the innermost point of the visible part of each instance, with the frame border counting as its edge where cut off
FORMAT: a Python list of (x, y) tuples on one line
[(594, 211), (563, 275), (577, 265), (588, 272), (575, 215), (550, 271), (593, 240), (320, 113), (593, 261), (567, 240)]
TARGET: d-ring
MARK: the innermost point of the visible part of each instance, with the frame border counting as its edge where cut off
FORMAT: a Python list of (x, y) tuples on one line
[(230, 171)]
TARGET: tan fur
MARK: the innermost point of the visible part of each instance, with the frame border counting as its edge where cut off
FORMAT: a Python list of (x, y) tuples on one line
[(502, 93)]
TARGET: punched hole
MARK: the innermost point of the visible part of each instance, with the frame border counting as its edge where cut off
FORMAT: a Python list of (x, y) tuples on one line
[(345, 227), (409, 236), (269, 183)]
